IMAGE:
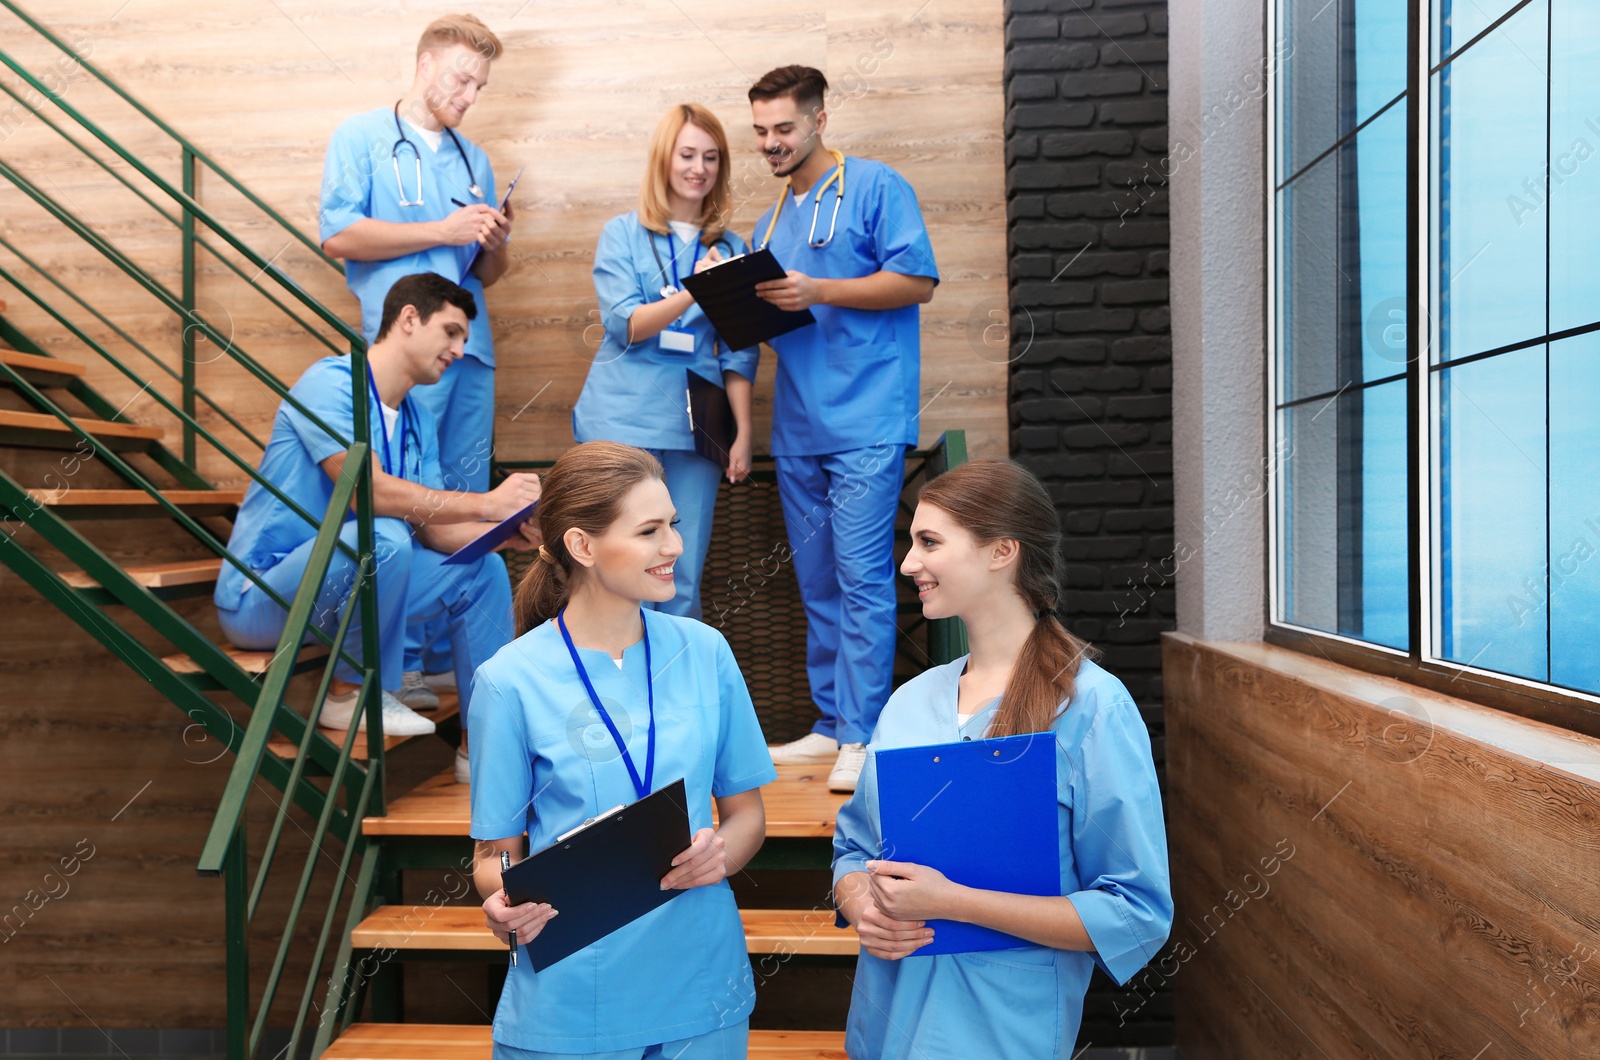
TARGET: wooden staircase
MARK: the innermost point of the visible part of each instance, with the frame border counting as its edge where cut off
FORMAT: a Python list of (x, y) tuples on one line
[(430, 826)]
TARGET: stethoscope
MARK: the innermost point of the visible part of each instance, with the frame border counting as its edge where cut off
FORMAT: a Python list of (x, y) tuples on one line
[(670, 282), (386, 458), (783, 196), (394, 157)]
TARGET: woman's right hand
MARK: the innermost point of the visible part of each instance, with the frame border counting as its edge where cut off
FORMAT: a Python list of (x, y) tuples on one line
[(527, 919), (888, 938)]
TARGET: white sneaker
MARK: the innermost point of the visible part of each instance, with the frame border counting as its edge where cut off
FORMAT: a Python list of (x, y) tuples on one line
[(398, 719), (812, 747), (847, 768), (463, 767), (444, 682), (415, 693)]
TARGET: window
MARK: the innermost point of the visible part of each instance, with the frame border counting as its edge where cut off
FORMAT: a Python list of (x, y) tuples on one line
[(1435, 493)]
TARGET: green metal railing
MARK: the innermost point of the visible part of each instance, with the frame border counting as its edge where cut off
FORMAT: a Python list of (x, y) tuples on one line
[(354, 787)]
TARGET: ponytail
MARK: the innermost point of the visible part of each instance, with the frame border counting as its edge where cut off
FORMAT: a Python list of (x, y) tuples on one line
[(542, 593), (995, 499), (584, 490)]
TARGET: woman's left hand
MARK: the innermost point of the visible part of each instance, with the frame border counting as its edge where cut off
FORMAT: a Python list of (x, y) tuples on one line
[(711, 258), (705, 862), (911, 892), (739, 458)]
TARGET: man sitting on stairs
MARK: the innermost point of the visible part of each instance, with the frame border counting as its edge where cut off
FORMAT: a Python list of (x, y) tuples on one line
[(418, 523)]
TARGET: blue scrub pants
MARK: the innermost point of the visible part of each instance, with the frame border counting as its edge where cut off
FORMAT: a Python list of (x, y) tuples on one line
[(840, 511), (693, 482), (472, 603), (462, 403), (724, 1043)]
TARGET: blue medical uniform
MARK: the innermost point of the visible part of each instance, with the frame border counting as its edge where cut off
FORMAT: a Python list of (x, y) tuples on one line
[(359, 181), (1027, 1002), (472, 601), (543, 761), (635, 393), (844, 412)]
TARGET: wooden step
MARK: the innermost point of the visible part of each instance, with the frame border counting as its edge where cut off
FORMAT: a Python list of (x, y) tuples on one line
[(445, 1041), (48, 371), (461, 928), (449, 707), (798, 804), (74, 503), (42, 430), (251, 662), (157, 575)]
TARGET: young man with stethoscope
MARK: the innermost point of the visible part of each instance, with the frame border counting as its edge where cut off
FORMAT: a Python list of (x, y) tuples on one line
[(845, 409), (403, 193)]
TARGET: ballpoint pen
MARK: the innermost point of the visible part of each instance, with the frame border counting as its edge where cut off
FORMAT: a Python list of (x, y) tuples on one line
[(505, 867)]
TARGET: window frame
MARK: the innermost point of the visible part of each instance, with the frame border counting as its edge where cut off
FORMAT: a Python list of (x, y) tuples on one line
[(1538, 701)]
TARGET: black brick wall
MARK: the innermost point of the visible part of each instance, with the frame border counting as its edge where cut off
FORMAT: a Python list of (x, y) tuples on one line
[(1091, 375)]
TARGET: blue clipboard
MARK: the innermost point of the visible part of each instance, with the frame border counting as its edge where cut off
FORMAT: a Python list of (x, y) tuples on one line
[(983, 812), (492, 538), (477, 248)]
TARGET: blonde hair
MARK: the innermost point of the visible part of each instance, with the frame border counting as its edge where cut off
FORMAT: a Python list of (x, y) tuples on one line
[(654, 210), (449, 30)]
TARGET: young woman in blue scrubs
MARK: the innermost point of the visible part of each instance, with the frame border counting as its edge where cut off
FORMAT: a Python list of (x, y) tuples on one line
[(654, 331), (985, 548), (675, 982)]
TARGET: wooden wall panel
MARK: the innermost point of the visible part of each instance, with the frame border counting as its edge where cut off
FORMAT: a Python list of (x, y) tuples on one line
[(261, 84), (1366, 869)]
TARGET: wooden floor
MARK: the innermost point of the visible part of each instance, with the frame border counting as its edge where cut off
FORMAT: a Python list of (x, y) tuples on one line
[(799, 805), (433, 1041)]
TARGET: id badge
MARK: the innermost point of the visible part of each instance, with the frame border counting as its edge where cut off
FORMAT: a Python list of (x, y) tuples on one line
[(676, 340)]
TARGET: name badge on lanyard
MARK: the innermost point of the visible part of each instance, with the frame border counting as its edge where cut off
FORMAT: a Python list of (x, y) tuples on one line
[(677, 340)]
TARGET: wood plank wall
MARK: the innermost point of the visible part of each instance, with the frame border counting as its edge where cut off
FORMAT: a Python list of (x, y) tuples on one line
[(87, 751), (1364, 869), (261, 87)]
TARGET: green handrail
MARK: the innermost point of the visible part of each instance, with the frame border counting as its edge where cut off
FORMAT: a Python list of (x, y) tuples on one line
[(157, 122)]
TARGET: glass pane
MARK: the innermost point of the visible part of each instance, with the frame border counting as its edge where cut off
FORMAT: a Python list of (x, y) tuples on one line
[(1342, 265), (1490, 513), (1341, 61), (1457, 21), (1574, 514), (1343, 522), (1489, 140), (1574, 166)]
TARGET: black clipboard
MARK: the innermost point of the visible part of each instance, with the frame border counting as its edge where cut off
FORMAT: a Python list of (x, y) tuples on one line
[(727, 294), (710, 417), (493, 537), (604, 876)]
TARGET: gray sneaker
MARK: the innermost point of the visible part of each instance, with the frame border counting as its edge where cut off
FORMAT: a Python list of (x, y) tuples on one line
[(398, 719), (415, 693)]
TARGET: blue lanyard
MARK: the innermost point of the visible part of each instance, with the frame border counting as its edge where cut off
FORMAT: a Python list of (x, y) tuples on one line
[(672, 245), (387, 456), (642, 787)]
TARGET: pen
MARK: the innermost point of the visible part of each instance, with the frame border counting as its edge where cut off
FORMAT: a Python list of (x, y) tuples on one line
[(505, 867), (458, 202)]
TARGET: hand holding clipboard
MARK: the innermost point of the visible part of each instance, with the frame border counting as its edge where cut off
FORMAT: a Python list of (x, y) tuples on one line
[(505, 209)]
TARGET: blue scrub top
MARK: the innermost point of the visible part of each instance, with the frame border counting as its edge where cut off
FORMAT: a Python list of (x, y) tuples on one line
[(266, 529), (1027, 1001), (634, 394), (853, 379), (358, 181), (542, 760)]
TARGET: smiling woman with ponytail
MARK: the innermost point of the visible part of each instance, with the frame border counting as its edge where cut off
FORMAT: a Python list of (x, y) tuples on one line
[(986, 548), (597, 703)]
